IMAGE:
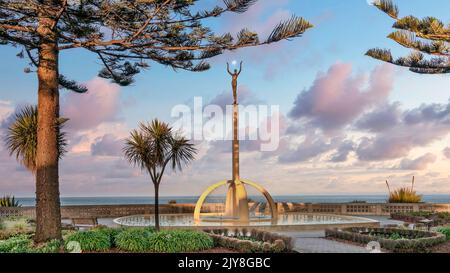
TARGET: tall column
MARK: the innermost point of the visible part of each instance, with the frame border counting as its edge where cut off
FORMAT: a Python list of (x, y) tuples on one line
[(235, 159)]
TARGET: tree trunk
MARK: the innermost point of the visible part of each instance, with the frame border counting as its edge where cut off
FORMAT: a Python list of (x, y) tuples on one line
[(156, 206), (48, 215)]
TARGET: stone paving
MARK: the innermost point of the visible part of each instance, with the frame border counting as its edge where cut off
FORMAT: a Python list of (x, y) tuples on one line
[(315, 242)]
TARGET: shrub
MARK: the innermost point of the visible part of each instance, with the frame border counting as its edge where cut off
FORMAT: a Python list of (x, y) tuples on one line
[(110, 232), (175, 241), (404, 240), (133, 239), (266, 247), (278, 246), (445, 231), (9, 201), (253, 242), (50, 247), (91, 240), (24, 244), (404, 195), (16, 244)]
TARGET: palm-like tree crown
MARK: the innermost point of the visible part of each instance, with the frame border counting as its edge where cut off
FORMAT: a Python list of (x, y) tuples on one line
[(154, 145), (21, 137)]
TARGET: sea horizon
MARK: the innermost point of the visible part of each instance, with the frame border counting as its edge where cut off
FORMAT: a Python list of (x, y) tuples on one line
[(307, 198)]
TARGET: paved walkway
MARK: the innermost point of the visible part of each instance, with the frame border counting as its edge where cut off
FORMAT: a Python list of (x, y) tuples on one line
[(315, 242)]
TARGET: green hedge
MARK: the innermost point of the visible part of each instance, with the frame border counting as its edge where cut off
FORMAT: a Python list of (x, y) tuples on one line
[(274, 242), (91, 240), (420, 241), (133, 239), (24, 244), (175, 241), (445, 231)]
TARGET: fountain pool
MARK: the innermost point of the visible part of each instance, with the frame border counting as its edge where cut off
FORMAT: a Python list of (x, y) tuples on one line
[(287, 221)]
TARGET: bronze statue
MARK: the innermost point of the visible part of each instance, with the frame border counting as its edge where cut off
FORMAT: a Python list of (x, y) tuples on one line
[(234, 76)]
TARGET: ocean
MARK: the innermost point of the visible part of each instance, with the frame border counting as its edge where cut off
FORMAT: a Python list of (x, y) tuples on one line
[(68, 201)]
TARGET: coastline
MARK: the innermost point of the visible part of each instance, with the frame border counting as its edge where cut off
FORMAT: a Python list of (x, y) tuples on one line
[(68, 201)]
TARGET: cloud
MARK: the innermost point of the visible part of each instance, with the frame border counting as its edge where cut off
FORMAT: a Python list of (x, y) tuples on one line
[(446, 152), (5, 109), (337, 97), (343, 151), (420, 163), (383, 118), (245, 97), (86, 111), (107, 145), (311, 147), (417, 127)]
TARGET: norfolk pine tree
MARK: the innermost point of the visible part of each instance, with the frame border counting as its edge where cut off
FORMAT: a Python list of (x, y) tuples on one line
[(125, 36), (427, 36)]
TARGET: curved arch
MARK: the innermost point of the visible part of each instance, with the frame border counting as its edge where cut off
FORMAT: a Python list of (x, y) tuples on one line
[(202, 198), (272, 204)]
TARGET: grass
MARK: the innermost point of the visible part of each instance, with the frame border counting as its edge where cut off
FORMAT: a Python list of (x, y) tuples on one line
[(91, 240), (11, 226), (404, 195), (23, 243), (445, 231), (134, 240), (176, 241)]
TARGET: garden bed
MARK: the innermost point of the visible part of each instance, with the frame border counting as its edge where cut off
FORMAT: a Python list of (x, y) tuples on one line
[(437, 218), (146, 240), (253, 241), (396, 240)]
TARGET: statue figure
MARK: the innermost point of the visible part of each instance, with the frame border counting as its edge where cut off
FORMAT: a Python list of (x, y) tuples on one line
[(234, 76)]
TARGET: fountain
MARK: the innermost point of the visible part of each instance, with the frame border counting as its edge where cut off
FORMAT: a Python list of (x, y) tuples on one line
[(236, 204), (236, 212)]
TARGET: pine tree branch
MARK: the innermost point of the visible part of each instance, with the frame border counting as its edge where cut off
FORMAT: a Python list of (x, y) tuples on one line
[(388, 7), (408, 40), (415, 62)]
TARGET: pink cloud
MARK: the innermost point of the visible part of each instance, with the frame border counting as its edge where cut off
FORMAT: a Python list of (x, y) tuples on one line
[(86, 111), (418, 164), (337, 97)]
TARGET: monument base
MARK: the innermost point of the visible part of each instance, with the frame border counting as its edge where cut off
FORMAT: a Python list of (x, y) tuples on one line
[(236, 204)]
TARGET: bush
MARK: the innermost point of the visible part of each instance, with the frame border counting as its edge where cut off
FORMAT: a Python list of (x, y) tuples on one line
[(175, 241), (404, 195), (92, 240), (278, 246), (397, 240), (16, 244), (24, 244), (445, 231), (133, 239), (9, 201), (11, 226), (110, 232), (50, 247)]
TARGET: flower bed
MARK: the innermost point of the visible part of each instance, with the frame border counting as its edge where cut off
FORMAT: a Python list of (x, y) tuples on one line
[(438, 218), (254, 241), (396, 240)]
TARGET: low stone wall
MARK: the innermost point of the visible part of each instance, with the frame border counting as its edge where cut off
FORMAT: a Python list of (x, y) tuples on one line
[(110, 211), (380, 209)]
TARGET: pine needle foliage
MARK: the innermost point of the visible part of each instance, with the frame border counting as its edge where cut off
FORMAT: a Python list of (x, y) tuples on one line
[(427, 36)]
